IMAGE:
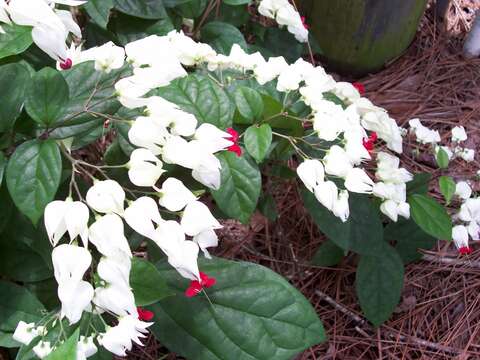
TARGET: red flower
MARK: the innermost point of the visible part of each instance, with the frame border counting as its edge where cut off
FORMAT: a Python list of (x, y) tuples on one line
[(465, 250), (67, 64), (369, 143), (144, 315), (197, 286), (360, 87), (235, 148)]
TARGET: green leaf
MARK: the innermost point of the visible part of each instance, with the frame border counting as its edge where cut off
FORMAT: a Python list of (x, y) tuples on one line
[(240, 187), (14, 79), (442, 158), (15, 40), (447, 188), (258, 140), (16, 304), (273, 111), (147, 9), (236, 2), (379, 282), (46, 96), (221, 36), (191, 9), (6, 340), (67, 350), (254, 314), (33, 175), (89, 90), (99, 11), (129, 28), (200, 96), (3, 163), (419, 184), (408, 238), (249, 103), (361, 233), (328, 254), (147, 283), (430, 216)]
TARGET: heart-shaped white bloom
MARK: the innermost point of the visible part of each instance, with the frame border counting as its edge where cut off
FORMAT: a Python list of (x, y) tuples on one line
[(388, 169), (184, 260), (107, 57), (25, 333), (51, 41), (42, 349), (269, 70), (75, 298), (337, 162), (118, 339), (198, 218), (141, 216), (354, 147), (341, 208), (470, 210), (311, 173), (70, 25), (459, 134), (390, 208), (329, 120), (289, 79), (179, 151), (346, 92), (130, 92), (70, 263), (326, 194), (144, 168), (86, 348), (467, 154), (139, 52), (116, 299), (474, 230), (460, 236), (423, 134), (207, 171), (106, 196), (168, 236), (149, 133), (159, 74), (463, 190), (269, 8), (358, 181), (115, 271), (206, 239), (174, 195), (107, 235), (212, 138)]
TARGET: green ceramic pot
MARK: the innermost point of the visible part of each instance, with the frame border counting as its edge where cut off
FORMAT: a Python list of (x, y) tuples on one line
[(360, 36)]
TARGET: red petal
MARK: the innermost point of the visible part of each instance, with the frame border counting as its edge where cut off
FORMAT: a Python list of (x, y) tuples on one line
[(234, 135), (145, 315), (235, 148), (373, 136), (465, 250), (67, 64), (367, 144), (360, 87), (194, 288)]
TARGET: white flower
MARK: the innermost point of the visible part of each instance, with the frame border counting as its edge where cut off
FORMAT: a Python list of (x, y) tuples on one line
[(269, 8), (329, 121), (116, 299), (141, 216), (130, 92), (326, 194), (106, 196), (470, 210), (168, 236), (346, 92), (42, 349), (459, 134), (205, 239), (25, 333), (85, 348), (463, 190), (118, 339), (460, 236), (184, 259), (174, 195), (207, 171), (144, 168), (179, 151), (358, 181), (63, 216), (390, 208), (70, 263), (467, 154), (337, 162), (474, 230), (341, 207), (311, 173), (139, 52), (423, 134), (212, 138), (269, 70), (354, 147), (75, 298), (289, 79), (198, 218), (388, 169), (149, 133), (107, 235), (107, 57), (115, 270)]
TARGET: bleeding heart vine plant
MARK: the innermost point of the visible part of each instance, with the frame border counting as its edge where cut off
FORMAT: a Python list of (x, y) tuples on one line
[(178, 121)]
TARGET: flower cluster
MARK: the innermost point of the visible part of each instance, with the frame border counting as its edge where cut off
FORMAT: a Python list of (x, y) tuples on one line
[(285, 14), (424, 135), (468, 218), (51, 26)]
